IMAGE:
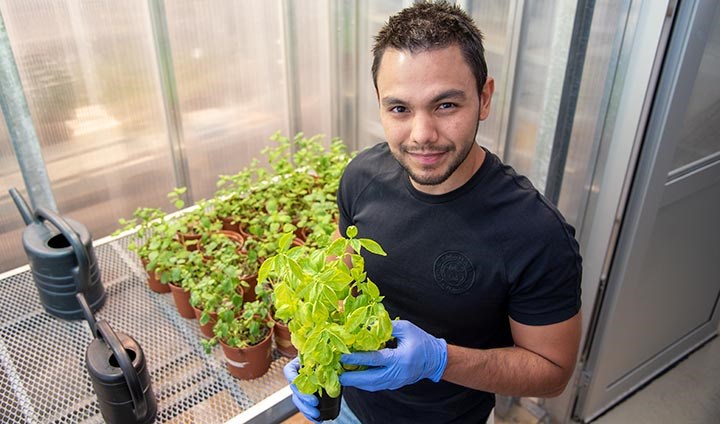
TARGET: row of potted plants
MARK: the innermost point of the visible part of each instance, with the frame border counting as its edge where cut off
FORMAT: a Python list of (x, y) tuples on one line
[(258, 262), (209, 254)]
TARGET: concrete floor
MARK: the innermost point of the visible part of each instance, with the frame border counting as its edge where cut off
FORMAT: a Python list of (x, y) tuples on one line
[(689, 393)]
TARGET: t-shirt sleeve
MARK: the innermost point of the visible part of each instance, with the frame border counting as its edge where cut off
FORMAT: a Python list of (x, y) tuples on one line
[(546, 275)]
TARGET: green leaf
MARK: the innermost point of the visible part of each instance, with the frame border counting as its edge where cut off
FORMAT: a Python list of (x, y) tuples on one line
[(372, 246), (304, 385), (356, 318), (351, 231), (285, 241), (332, 385), (371, 290), (267, 266), (320, 313), (337, 342), (355, 244)]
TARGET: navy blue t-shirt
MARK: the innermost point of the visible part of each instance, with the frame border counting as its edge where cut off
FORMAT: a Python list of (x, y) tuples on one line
[(457, 265)]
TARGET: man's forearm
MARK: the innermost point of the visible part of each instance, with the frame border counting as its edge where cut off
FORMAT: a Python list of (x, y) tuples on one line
[(511, 371)]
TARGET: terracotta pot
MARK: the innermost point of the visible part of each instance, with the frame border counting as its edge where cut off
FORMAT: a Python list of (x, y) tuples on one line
[(182, 301), (154, 281), (249, 362), (229, 225), (206, 329), (234, 236), (283, 343), (243, 232), (191, 241), (249, 292)]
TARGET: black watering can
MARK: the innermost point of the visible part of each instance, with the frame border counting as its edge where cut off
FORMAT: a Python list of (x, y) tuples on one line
[(119, 374), (61, 259)]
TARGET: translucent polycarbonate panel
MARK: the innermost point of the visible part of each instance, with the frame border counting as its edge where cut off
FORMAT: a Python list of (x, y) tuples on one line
[(494, 20), (88, 72), (11, 224), (592, 106), (700, 135), (372, 15), (229, 64), (539, 71), (311, 39)]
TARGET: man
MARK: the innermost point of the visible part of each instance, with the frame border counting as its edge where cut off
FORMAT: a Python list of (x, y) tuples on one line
[(483, 272)]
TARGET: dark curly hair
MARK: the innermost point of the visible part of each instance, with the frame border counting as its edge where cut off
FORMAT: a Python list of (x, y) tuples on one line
[(426, 26)]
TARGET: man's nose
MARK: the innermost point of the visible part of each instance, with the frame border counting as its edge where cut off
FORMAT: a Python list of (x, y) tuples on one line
[(424, 129)]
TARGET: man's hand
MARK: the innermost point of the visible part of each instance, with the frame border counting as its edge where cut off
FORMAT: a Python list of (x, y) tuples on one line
[(307, 404), (418, 355)]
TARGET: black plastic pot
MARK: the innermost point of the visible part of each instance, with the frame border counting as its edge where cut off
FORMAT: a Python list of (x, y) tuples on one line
[(329, 406)]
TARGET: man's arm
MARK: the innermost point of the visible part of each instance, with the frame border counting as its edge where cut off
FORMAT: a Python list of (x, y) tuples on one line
[(539, 365)]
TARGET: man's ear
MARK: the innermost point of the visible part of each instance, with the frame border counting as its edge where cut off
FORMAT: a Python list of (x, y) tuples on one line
[(486, 98)]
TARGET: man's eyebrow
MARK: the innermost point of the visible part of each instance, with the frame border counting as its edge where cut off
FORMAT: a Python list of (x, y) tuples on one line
[(452, 93), (387, 101)]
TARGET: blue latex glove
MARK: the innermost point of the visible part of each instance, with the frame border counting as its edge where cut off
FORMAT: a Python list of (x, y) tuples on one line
[(418, 355), (307, 404)]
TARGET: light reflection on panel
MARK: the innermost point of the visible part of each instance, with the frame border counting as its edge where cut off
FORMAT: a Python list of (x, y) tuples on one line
[(532, 92), (88, 72), (231, 83), (312, 41), (606, 31), (492, 19)]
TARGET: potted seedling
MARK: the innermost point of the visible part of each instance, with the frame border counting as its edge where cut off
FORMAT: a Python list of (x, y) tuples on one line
[(331, 308), (183, 269), (192, 226), (246, 339), (216, 291), (149, 228)]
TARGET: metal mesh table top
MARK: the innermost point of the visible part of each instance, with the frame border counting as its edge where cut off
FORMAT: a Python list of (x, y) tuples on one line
[(43, 376)]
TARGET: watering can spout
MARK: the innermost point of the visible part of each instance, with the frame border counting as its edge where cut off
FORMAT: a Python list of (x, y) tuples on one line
[(22, 206)]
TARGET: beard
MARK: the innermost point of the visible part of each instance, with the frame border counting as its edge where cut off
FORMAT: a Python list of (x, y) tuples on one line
[(424, 175)]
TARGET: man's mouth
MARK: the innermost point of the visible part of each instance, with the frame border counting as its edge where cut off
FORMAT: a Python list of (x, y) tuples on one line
[(426, 157)]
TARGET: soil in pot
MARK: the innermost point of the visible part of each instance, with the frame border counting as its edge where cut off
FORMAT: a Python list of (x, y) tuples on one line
[(329, 406), (182, 301), (249, 362)]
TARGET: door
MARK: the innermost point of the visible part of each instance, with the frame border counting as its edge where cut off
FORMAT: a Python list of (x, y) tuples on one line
[(662, 290)]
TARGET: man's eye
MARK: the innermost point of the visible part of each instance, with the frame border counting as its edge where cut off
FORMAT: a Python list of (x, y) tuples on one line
[(398, 109), (446, 106)]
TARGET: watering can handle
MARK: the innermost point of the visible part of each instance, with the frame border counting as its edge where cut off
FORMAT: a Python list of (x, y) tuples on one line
[(131, 376), (82, 272)]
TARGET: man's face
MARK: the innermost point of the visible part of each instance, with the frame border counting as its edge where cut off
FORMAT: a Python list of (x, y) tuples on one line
[(429, 109)]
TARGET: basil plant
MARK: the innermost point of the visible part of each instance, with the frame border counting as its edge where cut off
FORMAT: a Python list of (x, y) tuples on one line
[(330, 305)]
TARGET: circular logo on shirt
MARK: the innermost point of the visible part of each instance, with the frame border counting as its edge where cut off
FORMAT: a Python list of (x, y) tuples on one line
[(453, 272)]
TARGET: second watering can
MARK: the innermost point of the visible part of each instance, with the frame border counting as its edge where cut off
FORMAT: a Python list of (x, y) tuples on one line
[(61, 259)]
